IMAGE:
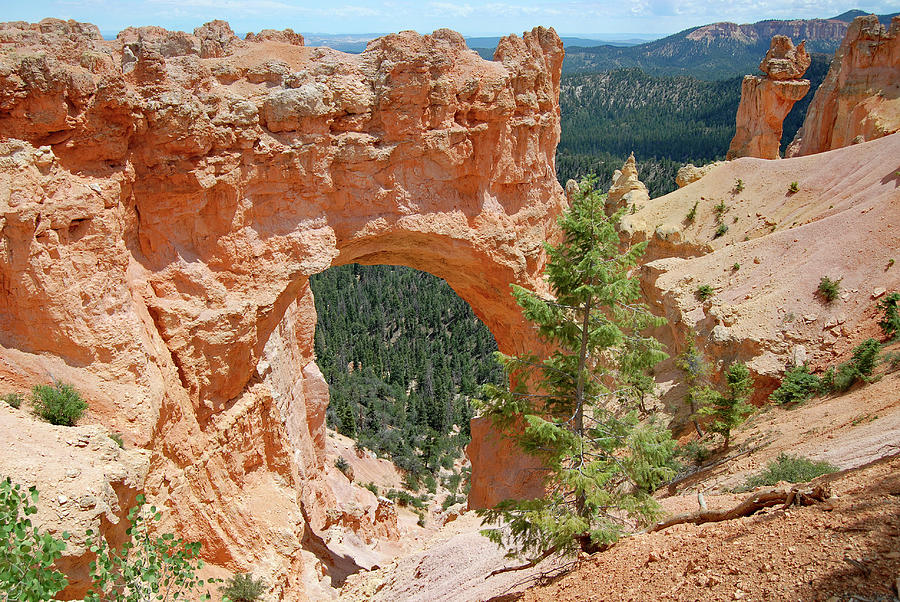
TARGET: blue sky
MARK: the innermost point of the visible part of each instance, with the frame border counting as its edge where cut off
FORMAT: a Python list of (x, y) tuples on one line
[(471, 17)]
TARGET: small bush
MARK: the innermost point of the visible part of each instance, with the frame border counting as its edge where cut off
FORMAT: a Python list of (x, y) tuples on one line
[(372, 487), (890, 324), (721, 230), (794, 187), (721, 209), (892, 359), (736, 267), (242, 587), (793, 469), (14, 399), (118, 439), (860, 366), (704, 292), (421, 521), (693, 451), (341, 464), (58, 403), (738, 186), (797, 385), (692, 214), (829, 289)]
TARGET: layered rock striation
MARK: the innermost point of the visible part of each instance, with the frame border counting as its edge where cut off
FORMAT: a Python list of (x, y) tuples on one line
[(165, 197), (860, 97), (766, 101)]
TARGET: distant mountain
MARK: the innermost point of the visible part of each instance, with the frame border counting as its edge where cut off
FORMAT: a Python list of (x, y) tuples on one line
[(492, 41), (712, 52), (852, 14)]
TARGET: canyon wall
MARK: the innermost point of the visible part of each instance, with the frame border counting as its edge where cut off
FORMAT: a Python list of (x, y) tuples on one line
[(165, 197), (860, 97)]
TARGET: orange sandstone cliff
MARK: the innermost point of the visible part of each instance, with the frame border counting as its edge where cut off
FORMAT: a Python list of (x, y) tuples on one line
[(165, 197), (860, 97)]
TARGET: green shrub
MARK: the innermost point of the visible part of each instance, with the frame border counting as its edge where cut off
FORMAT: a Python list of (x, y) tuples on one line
[(859, 367), (720, 230), (117, 437), (794, 187), (798, 384), (692, 214), (890, 324), (892, 359), (26, 556), (738, 186), (721, 209), (242, 587), (693, 451), (421, 521), (341, 464), (14, 399), (372, 487), (829, 289), (704, 292), (736, 267), (58, 403), (793, 469)]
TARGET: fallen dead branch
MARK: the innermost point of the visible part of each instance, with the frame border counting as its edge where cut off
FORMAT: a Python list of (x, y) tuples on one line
[(527, 565), (750, 505)]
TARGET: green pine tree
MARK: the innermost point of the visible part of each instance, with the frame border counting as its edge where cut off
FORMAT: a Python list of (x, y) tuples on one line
[(600, 462), (731, 409)]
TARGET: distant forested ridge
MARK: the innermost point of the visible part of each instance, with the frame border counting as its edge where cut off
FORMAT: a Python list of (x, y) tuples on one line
[(666, 121), (403, 355)]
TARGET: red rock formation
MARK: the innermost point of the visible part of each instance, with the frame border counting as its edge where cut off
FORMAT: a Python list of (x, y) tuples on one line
[(766, 101), (165, 197), (860, 97)]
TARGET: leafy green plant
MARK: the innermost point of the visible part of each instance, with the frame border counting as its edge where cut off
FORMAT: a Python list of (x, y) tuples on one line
[(798, 385), (736, 266), (829, 289), (147, 567), (372, 487), (730, 409), (738, 186), (242, 587), (117, 437), (721, 229), (599, 462), (26, 555), (793, 469), (692, 214), (704, 292), (58, 403), (890, 323), (890, 262), (14, 399), (860, 366), (794, 187)]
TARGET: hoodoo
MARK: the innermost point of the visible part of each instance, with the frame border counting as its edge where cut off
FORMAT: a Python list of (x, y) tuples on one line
[(766, 101), (166, 196)]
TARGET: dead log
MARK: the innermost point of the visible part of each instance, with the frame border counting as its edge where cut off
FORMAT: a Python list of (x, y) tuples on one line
[(752, 504)]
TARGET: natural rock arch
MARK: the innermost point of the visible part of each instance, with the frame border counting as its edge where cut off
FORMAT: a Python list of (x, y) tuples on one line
[(170, 194)]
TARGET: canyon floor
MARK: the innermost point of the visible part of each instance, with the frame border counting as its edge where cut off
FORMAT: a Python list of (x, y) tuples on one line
[(847, 548)]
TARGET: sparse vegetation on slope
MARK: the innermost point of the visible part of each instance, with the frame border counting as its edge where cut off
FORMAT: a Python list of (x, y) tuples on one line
[(792, 469)]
